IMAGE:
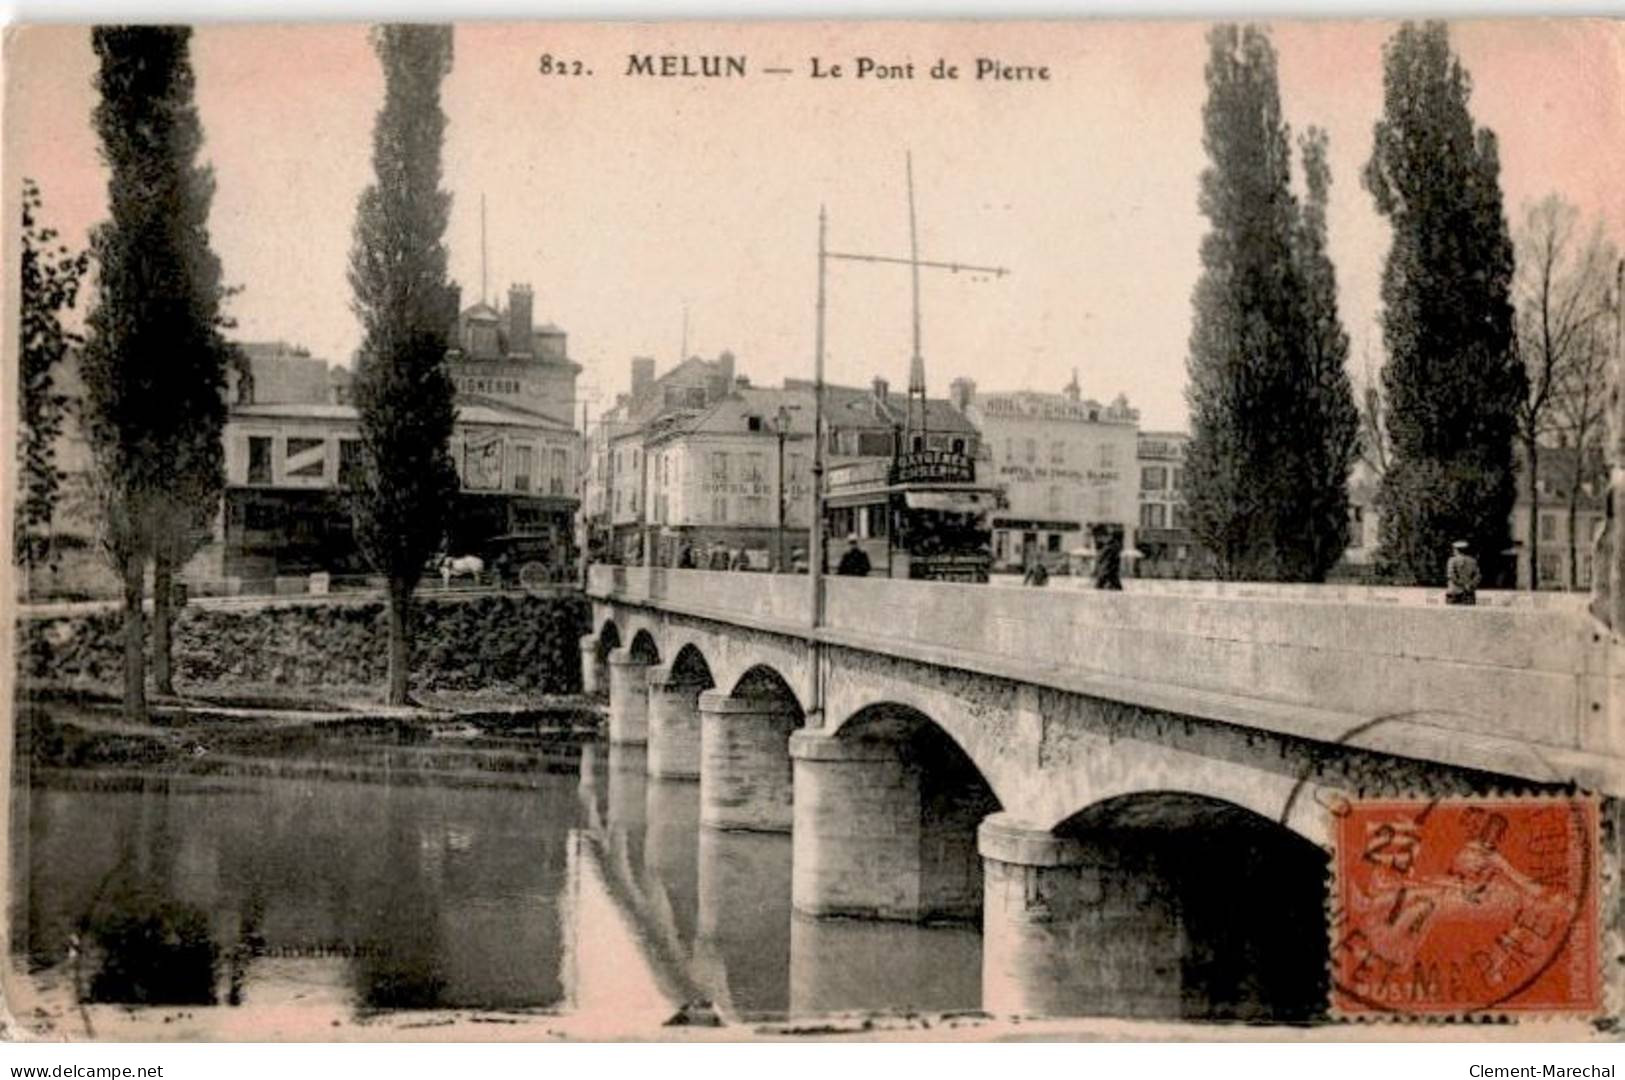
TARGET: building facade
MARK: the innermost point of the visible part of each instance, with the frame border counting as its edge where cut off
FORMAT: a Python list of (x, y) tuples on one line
[(690, 458), (1164, 540), (1067, 465), (283, 512)]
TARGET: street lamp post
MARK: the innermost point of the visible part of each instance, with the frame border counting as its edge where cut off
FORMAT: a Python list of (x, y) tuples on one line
[(781, 425)]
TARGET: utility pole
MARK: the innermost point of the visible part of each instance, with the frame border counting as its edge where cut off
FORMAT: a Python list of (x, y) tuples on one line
[(816, 552)]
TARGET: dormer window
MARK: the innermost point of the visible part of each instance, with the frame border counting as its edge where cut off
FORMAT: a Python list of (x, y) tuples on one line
[(753, 423)]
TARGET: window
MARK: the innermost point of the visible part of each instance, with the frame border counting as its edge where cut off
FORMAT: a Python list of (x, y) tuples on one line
[(1178, 483), (259, 459), (1009, 449), (1108, 456), (1177, 516), (307, 458), (1153, 516), (1153, 478), (874, 444), (753, 423), (351, 461), (753, 469), (959, 446), (1551, 567), (719, 466), (719, 510), (1103, 504), (1057, 453), (561, 466), (1054, 502), (519, 459), (1548, 527), (1054, 543), (1032, 450)]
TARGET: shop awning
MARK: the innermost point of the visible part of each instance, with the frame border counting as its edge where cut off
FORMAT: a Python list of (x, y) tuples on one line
[(957, 502)]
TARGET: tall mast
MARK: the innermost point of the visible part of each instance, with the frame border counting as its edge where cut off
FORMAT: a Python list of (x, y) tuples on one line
[(916, 367), (482, 247)]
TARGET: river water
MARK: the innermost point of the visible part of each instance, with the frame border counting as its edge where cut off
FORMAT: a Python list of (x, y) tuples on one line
[(408, 891)]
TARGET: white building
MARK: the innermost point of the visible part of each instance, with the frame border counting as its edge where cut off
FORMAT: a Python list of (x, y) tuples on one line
[(1067, 464)]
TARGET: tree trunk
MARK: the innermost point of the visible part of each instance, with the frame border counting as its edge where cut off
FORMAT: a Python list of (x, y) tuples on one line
[(163, 577), (135, 659), (1574, 546), (1532, 451), (400, 640)]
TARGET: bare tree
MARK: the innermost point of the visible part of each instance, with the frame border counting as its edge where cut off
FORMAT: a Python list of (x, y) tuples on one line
[(1562, 298)]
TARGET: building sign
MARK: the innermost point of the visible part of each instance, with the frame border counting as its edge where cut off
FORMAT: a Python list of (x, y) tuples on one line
[(482, 463), (933, 465), (1031, 474), (738, 487), (1036, 408)]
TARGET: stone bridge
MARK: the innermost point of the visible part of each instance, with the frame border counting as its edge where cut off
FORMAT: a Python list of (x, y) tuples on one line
[(1133, 793)]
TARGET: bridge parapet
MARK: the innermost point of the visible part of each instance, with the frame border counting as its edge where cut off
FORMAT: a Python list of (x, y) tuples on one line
[(1536, 677)]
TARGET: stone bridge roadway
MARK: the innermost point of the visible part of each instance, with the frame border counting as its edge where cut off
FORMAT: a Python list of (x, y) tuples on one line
[(1132, 792)]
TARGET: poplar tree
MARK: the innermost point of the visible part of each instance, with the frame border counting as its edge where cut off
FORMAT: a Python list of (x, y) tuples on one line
[(401, 494), (1453, 382), (1274, 425), (154, 357)]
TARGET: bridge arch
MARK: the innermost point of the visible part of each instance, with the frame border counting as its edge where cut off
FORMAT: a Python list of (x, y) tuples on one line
[(644, 648), (689, 667), (1165, 904)]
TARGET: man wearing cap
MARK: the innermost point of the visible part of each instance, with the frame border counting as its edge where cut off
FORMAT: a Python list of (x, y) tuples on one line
[(1461, 576), (854, 563)]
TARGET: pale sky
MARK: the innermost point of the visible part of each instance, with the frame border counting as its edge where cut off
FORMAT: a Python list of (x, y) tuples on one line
[(623, 200)]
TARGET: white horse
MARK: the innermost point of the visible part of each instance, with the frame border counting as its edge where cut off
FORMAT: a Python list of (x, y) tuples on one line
[(470, 566)]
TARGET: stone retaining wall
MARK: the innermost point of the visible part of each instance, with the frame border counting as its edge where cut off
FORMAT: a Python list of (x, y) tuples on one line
[(510, 642)]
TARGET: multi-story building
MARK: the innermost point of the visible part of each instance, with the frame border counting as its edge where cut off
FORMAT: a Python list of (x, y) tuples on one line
[(717, 479), (498, 356), (286, 466), (1067, 465), (691, 456), (1164, 540), (1562, 552)]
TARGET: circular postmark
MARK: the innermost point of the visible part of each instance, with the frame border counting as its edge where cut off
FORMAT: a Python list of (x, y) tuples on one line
[(1464, 903)]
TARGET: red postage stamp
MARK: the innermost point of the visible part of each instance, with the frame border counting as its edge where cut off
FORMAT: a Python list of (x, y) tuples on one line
[(1466, 906)]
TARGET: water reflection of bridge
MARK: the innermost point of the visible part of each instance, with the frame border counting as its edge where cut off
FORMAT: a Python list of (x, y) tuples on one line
[(714, 906)]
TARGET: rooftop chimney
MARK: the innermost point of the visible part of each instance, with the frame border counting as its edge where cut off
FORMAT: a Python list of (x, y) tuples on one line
[(882, 388), (962, 392), (725, 371), (519, 305), (643, 376)]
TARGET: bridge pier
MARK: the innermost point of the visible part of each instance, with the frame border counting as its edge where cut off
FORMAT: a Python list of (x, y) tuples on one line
[(745, 762), (1066, 934), (674, 725), (628, 697), (885, 827)]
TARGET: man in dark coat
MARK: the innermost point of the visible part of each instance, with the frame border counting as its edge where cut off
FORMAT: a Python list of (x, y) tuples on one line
[(1461, 576), (1109, 564), (854, 563)]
